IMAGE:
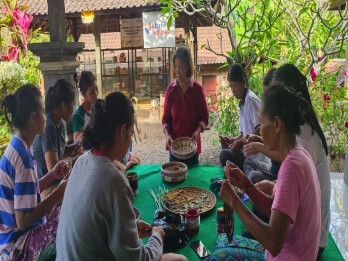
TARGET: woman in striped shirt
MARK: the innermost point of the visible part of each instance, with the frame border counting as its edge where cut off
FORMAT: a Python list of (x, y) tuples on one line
[(24, 230)]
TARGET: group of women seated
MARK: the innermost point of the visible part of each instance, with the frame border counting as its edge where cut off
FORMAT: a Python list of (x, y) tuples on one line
[(89, 211), (281, 149)]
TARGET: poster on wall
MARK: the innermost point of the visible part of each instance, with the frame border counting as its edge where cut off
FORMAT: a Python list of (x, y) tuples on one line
[(155, 31), (131, 33)]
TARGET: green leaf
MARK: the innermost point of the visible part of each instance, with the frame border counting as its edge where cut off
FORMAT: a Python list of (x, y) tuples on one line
[(170, 21), (166, 9)]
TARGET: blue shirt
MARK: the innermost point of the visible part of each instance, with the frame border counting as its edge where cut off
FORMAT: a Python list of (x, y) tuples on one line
[(52, 140), (19, 191)]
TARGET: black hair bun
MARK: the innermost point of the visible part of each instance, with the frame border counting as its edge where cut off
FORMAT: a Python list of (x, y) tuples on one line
[(10, 102)]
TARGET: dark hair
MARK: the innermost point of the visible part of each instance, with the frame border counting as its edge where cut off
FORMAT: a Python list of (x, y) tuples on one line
[(184, 54), (62, 91), (107, 116), (268, 77), (289, 105), (86, 80), (236, 73), (291, 76), (21, 104)]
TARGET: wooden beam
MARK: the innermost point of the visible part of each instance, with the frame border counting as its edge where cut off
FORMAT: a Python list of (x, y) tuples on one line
[(186, 25), (195, 43), (75, 32), (98, 61)]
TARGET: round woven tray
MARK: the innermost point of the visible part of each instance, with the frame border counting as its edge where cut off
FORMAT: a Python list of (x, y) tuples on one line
[(183, 148), (179, 200)]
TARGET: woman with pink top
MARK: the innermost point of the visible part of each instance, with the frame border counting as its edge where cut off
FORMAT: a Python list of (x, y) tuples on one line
[(293, 231)]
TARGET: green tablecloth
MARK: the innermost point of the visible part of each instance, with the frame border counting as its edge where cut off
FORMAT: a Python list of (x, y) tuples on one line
[(149, 177)]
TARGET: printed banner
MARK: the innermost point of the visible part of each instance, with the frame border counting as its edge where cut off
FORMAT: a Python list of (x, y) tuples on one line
[(155, 31)]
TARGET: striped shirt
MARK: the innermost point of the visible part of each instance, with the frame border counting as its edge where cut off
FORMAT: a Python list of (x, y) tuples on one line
[(19, 191)]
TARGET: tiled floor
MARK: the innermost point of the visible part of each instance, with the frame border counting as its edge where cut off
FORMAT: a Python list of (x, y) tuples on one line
[(339, 213)]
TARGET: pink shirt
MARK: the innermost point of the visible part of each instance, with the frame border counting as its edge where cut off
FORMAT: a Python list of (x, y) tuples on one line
[(184, 112), (297, 194)]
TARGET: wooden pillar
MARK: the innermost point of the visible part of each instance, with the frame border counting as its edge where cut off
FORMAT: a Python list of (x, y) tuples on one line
[(75, 32), (195, 47), (56, 20), (186, 27), (98, 60)]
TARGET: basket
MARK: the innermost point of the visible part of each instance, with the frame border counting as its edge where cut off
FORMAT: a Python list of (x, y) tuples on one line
[(179, 200), (184, 148), (174, 171)]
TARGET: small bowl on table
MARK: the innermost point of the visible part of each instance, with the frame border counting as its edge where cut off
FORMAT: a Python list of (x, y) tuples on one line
[(183, 148), (174, 171)]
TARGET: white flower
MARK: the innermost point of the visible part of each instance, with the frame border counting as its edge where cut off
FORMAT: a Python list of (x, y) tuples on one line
[(12, 76)]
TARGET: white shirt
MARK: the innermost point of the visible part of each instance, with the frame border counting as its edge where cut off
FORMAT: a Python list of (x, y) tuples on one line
[(249, 113), (249, 119), (312, 143)]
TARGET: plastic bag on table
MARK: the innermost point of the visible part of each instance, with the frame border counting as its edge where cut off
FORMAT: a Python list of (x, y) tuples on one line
[(174, 227)]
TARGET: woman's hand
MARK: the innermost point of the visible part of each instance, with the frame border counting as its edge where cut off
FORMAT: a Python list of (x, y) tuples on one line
[(237, 145), (235, 176), (129, 165), (248, 138), (159, 230), (169, 141), (61, 189), (144, 229), (227, 141), (265, 186), (120, 166), (195, 135), (252, 148), (227, 194), (61, 170), (134, 158)]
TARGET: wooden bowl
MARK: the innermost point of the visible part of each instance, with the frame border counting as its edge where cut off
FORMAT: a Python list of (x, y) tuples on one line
[(174, 171), (184, 148)]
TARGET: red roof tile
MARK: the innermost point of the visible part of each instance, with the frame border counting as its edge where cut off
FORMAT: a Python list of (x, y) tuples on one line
[(113, 41), (39, 7), (337, 65)]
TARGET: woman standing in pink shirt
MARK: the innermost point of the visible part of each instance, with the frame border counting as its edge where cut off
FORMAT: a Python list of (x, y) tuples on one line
[(185, 107), (293, 231)]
